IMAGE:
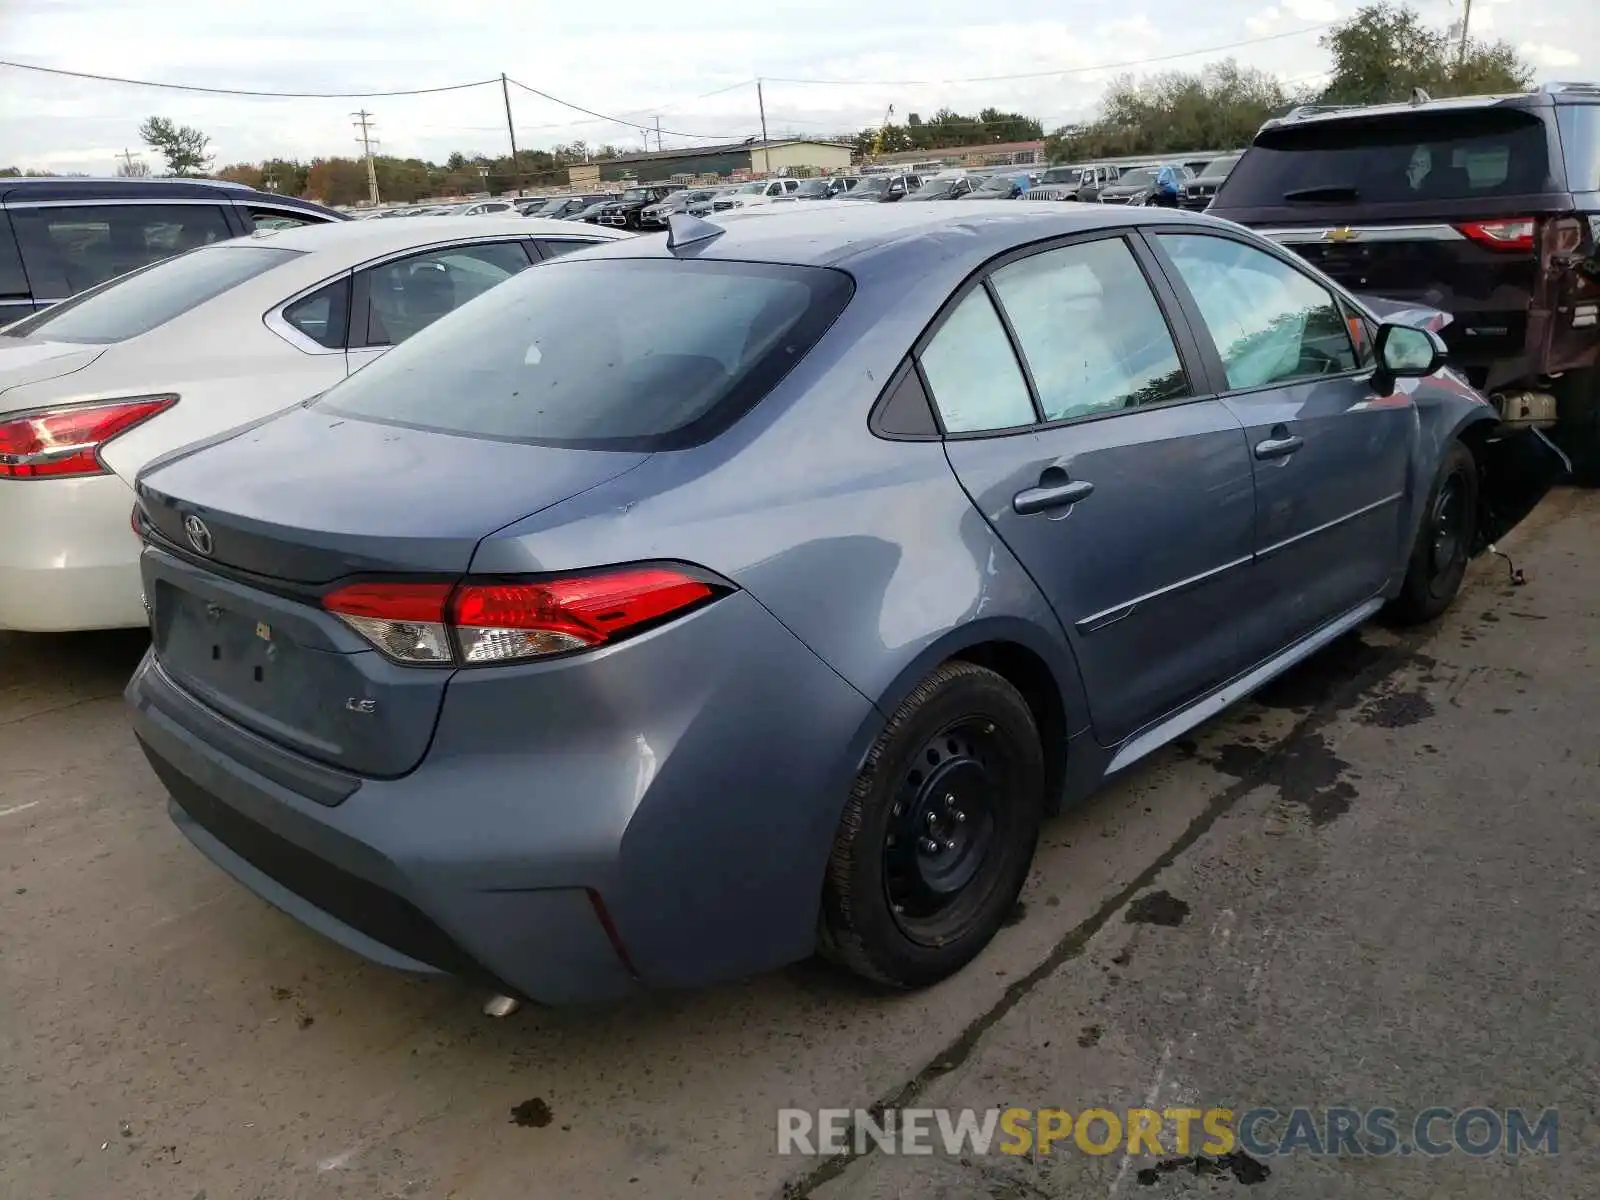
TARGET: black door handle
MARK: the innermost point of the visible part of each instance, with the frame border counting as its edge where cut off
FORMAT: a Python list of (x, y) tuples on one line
[(1049, 496), (1279, 447)]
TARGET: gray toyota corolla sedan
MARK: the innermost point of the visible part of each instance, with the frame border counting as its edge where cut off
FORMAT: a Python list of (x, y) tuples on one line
[(691, 605)]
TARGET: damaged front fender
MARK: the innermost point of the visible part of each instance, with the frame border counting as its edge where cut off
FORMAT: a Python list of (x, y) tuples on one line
[(1517, 466)]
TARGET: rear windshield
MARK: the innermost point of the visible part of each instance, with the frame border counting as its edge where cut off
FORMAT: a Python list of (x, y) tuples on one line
[(138, 302), (1446, 155), (552, 357)]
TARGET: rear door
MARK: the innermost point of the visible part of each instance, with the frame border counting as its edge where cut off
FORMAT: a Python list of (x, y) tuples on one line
[(1330, 456), (1123, 488), (397, 298)]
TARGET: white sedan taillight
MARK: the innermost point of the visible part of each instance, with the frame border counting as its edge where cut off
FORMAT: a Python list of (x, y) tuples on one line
[(65, 443), (477, 622)]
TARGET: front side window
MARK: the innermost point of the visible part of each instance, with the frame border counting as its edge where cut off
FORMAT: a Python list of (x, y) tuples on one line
[(1091, 330), (151, 297), (86, 244), (1270, 323), (410, 294), (974, 375)]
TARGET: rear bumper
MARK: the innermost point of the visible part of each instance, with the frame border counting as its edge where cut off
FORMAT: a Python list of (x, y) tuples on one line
[(68, 558), (691, 779)]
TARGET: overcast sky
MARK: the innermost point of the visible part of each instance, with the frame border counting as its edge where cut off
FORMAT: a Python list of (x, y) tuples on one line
[(638, 60)]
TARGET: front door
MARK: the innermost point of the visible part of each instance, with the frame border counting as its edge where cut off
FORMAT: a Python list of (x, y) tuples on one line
[(1126, 496), (1330, 455)]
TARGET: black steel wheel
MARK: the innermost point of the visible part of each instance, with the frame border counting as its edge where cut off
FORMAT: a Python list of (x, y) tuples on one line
[(1444, 541), (936, 840)]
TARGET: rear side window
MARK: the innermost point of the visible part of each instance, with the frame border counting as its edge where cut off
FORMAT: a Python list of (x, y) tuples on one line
[(128, 307), (1118, 353), (323, 315), (411, 293), (1580, 144), (12, 281), (974, 375), (80, 245), (1418, 157), (553, 358)]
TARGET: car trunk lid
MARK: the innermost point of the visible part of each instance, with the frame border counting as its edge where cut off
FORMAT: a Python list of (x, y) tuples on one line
[(247, 537), (30, 360)]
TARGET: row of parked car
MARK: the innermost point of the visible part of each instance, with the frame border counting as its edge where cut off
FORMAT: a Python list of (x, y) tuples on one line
[(471, 550)]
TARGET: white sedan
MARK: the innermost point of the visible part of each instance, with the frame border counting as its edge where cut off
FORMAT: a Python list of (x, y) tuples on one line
[(94, 388)]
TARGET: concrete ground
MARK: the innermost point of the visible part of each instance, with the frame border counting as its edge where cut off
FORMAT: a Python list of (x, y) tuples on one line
[(1369, 886)]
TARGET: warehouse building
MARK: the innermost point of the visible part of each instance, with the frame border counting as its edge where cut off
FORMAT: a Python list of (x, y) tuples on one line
[(790, 156)]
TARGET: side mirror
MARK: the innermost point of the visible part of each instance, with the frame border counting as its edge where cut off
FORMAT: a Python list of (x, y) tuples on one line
[(1404, 352)]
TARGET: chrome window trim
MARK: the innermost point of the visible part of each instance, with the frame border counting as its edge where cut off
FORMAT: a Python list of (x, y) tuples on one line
[(274, 319), (1301, 235)]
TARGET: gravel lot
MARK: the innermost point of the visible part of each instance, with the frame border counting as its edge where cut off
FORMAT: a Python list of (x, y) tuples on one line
[(1384, 860)]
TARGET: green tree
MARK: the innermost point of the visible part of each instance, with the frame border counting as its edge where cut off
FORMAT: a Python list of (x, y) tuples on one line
[(183, 146), (1217, 108), (1385, 50)]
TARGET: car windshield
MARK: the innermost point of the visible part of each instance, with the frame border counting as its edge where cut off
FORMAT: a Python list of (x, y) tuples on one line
[(137, 303), (1220, 166), (873, 183), (997, 183), (813, 187), (935, 187), (1393, 159), (753, 189), (1143, 177), (551, 357), (635, 194)]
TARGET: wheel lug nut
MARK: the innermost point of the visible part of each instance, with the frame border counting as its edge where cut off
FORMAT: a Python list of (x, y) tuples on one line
[(949, 845), (930, 846), (949, 799), (958, 816), (933, 817)]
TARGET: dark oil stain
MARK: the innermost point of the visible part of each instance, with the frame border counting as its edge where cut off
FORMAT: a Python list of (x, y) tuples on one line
[(531, 1114), (1396, 710), (1238, 759), (1240, 1165), (1468, 636), (1490, 618), (1157, 908), (1522, 616), (1501, 712), (1430, 748), (283, 993), (304, 1019), (1052, 901), (1309, 683), (1014, 917), (1249, 718), (1305, 771), (1089, 1036), (1123, 957), (1186, 746)]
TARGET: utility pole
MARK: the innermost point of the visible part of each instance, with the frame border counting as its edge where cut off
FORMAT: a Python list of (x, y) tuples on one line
[(1466, 19), (364, 122), (516, 165), (658, 135), (761, 103), (127, 157)]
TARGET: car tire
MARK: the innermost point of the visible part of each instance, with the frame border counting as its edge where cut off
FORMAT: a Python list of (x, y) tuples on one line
[(940, 829), (1438, 561)]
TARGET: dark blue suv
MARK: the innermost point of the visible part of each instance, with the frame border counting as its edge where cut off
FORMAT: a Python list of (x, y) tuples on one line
[(60, 236)]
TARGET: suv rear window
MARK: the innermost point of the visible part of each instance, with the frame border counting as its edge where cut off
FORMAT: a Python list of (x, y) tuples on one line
[(137, 303), (1424, 156), (551, 357)]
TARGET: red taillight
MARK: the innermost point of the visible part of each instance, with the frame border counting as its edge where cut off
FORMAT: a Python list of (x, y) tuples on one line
[(63, 442), (1514, 233), (488, 621)]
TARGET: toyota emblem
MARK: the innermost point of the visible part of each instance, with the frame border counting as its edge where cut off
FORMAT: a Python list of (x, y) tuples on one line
[(199, 535)]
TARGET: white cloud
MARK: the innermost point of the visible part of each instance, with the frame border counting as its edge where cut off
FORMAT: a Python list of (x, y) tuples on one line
[(635, 59)]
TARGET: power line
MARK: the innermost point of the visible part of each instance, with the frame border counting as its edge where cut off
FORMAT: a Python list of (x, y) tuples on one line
[(216, 91), (1138, 62), (607, 117)]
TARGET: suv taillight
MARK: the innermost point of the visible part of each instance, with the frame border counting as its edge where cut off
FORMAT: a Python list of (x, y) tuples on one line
[(481, 621), (1512, 234), (62, 443)]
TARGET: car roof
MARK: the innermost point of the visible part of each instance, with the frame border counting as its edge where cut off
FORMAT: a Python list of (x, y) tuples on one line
[(1311, 114), (26, 189), (369, 238), (839, 233)]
